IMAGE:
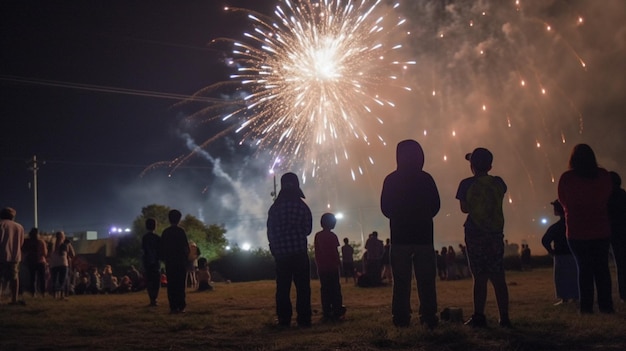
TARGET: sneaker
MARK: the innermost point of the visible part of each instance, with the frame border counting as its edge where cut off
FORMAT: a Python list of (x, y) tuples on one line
[(477, 321), (402, 322), (341, 315), (506, 323)]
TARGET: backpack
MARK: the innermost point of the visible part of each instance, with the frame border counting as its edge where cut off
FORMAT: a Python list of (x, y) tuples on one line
[(484, 201)]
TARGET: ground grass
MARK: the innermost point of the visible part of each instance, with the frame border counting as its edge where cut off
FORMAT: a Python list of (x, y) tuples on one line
[(240, 316)]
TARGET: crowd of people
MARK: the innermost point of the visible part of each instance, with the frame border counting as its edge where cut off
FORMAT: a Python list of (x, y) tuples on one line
[(591, 207), (53, 269), (410, 199)]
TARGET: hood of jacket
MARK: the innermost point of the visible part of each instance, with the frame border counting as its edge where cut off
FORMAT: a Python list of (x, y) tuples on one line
[(409, 156)]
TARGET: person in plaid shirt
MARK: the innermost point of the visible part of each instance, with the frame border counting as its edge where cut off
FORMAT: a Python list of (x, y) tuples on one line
[(289, 223)]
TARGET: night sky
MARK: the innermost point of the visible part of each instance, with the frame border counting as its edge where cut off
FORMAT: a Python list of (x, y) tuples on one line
[(93, 89)]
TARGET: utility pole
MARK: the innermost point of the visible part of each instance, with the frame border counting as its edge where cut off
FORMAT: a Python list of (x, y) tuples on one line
[(273, 193), (33, 167)]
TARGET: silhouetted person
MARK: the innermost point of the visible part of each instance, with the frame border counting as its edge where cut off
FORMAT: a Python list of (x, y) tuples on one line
[(375, 251), (584, 192), (175, 252), (442, 266), (347, 256), (525, 258), (481, 198), (410, 200), (565, 270), (386, 262), (617, 216), (60, 258), (151, 245), (289, 222), (11, 241), (35, 252), (328, 267)]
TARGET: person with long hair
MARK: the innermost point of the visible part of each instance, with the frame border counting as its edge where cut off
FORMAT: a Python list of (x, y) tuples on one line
[(584, 192), (60, 256)]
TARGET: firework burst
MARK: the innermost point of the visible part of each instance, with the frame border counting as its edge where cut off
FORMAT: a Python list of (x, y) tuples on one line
[(314, 80)]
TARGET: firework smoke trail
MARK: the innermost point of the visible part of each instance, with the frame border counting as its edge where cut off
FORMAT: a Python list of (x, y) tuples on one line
[(316, 77)]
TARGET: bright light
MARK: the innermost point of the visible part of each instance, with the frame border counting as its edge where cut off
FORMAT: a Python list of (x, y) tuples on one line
[(544, 221), (339, 215), (246, 247), (118, 230)]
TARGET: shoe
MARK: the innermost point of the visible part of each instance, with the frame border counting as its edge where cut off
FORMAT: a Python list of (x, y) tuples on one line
[(285, 323), (402, 322), (431, 322), (477, 321), (341, 315), (304, 324), (505, 323)]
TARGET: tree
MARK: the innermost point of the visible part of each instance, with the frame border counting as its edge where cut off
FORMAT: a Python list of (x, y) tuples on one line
[(209, 238)]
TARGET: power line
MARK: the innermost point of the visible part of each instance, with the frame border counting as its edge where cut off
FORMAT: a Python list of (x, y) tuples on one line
[(108, 89)]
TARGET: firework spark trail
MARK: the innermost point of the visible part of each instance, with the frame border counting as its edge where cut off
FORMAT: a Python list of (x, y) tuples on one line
[(315, 76)]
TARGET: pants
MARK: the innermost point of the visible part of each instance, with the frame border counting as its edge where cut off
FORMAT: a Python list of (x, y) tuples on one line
[(37, 273), (330, 291), (153, 282), (297, 269), (58, 274), (406, 260), (592, 258), (565, 277), (619, 254), (176, 276)]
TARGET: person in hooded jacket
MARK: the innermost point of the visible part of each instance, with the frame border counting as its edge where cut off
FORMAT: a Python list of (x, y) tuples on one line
[(410, 200)]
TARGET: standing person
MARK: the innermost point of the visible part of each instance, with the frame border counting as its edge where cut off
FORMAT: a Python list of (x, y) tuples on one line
[(584, 192), (565, 270), (617, 216), (11, 241), (328, 267), (525, 258), (386, 275), (289, 223), (151, 244), (481, 198), (375, 250), (410, 200), (59, 259), (347, 255), (442, 263), (453, 271), (192, 265), (35, 251), (175, 252)]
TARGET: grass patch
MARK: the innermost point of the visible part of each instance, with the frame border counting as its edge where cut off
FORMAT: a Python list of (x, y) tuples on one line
[(240, 316)]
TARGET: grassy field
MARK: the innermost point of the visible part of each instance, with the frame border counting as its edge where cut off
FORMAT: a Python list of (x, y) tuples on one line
[(240, 316)]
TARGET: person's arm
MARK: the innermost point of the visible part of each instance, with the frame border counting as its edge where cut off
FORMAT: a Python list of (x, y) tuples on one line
[(70, 252), (464, 207), (435, 200)]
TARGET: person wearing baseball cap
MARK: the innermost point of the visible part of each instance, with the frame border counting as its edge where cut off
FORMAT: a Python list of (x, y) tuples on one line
[(289, 222), (481, 198)]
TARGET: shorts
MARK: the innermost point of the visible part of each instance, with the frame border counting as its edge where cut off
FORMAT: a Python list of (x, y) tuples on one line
[(9, 271), (485, 252)]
